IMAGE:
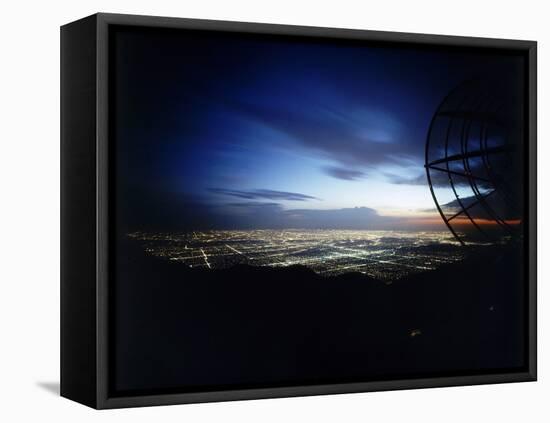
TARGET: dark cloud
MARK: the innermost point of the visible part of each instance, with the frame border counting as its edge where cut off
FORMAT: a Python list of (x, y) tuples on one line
[(342, 173), (263, 194), (453, 206), (406, 180), (438, 179), (247, 215), (492, 205), (251, 204)]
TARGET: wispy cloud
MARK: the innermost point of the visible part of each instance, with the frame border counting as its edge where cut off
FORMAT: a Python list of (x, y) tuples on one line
[(420, 179), (263, 194), (253, 204), (343, 173), (350, 136)]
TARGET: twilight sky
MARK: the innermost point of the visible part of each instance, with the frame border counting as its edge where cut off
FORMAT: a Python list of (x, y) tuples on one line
[(231, 131)]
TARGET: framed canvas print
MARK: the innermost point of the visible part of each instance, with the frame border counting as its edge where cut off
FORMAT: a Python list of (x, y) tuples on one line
[(254, 211)]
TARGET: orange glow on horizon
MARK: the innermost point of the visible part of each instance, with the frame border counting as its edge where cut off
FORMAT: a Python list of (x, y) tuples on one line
[(424, 219), (481, 222), (461, 221)]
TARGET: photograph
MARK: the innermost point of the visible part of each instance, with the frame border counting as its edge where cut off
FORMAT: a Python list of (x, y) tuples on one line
[(293, 210)]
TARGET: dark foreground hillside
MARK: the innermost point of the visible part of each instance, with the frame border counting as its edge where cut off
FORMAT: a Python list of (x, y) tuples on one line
[(196, 329)]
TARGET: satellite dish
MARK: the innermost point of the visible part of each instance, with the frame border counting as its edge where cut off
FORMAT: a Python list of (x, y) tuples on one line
[(473, 160)]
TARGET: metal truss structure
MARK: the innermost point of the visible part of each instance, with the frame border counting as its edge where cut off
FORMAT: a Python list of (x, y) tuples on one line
[(473, 161)]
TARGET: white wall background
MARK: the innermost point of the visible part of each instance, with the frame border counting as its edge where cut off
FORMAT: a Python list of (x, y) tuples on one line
[(29, 211)]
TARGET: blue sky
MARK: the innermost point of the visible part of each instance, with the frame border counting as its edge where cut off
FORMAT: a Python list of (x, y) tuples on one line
[(233, 131)]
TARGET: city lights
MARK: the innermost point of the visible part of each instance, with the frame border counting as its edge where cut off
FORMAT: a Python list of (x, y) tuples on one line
[(384, 255)]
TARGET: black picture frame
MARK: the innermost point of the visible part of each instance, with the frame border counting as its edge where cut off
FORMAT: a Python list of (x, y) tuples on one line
[(86, 217)]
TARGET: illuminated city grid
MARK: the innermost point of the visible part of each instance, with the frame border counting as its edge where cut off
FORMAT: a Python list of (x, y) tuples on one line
[(384, 255)]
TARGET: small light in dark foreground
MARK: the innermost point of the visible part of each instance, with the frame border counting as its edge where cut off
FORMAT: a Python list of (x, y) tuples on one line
[(415, 332)]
